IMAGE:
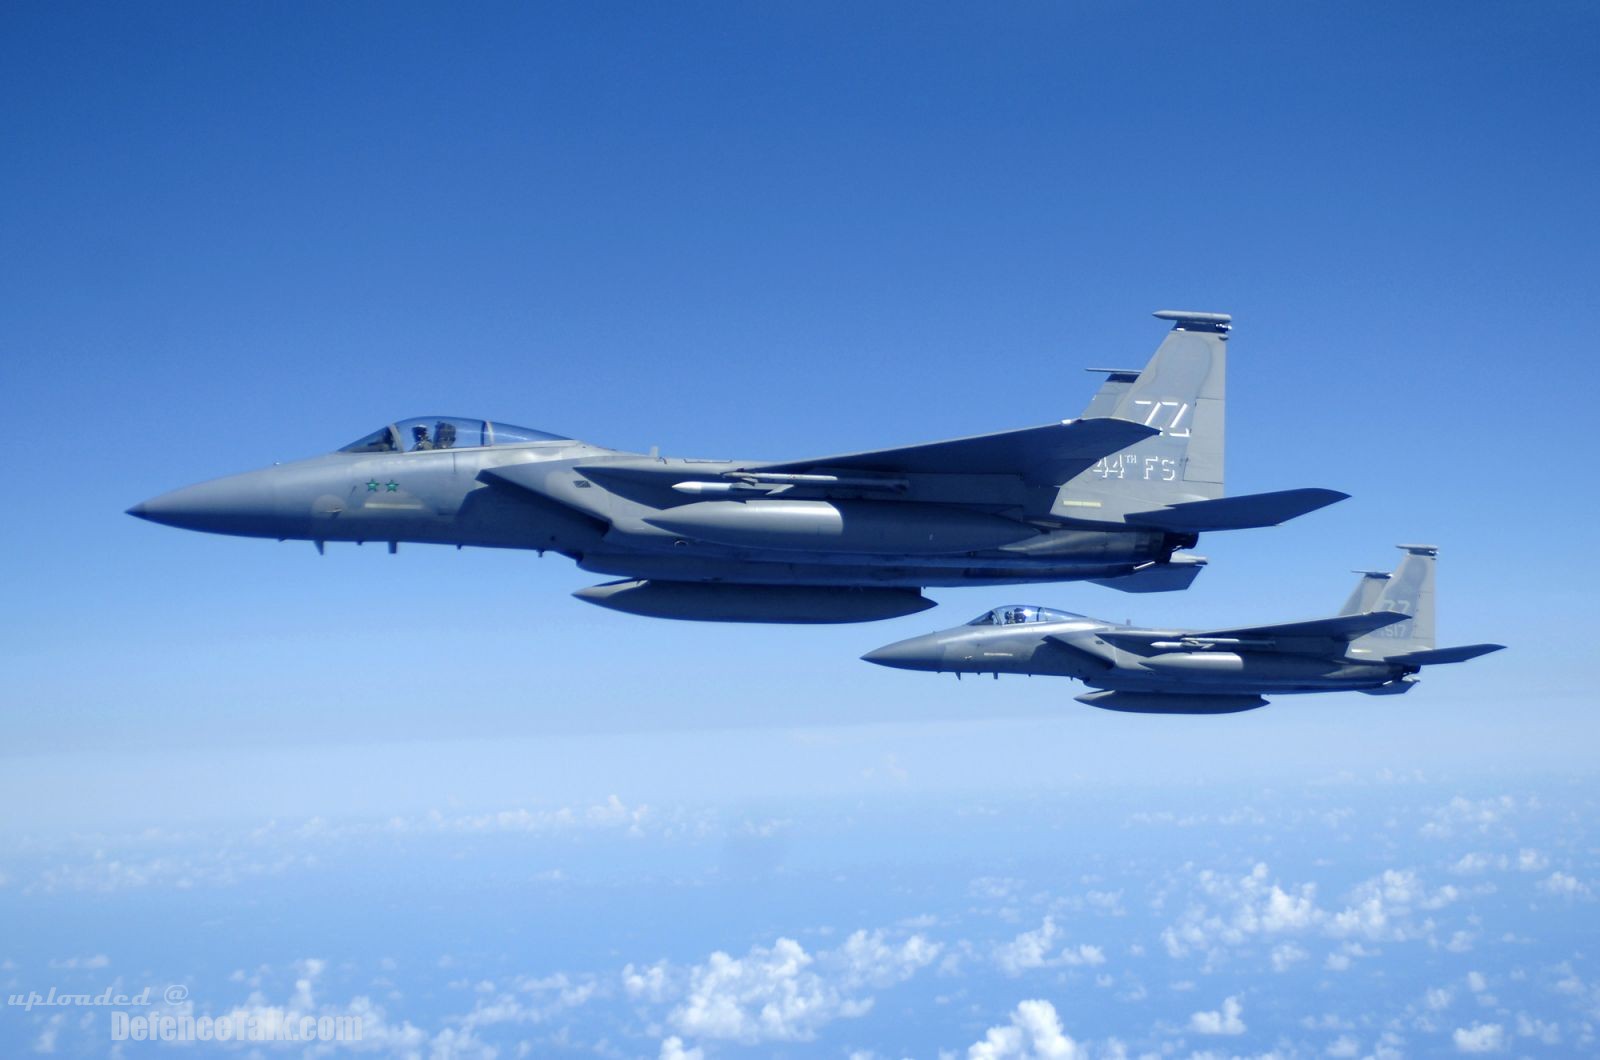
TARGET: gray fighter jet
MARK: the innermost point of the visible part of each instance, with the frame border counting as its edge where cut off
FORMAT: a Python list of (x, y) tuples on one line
[(1114, 497), (1376, 645)]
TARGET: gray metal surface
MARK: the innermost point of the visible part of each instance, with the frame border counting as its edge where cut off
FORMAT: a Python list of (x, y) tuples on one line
[(1378, 650), (1115, 496)]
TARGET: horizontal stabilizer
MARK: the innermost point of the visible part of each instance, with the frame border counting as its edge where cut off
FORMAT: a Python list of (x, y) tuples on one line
[(1162, 703), (1047, 455), (1177, 574), (1237, 513), (1443, 655), (1344, 627)]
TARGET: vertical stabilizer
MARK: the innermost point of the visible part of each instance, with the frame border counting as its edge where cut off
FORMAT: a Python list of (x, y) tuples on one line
[(1181, 393), (1105, 401), (1364, 597), (1408, 590)]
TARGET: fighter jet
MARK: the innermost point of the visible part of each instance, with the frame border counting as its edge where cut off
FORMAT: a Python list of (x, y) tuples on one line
[(1376, 644), (1114, 497)]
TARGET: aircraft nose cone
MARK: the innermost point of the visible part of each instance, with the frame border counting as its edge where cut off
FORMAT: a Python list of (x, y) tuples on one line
[(240, 504), (918, 653)]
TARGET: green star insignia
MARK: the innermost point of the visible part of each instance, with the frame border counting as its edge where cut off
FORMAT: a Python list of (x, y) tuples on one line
[(391, 486), (372, 485)]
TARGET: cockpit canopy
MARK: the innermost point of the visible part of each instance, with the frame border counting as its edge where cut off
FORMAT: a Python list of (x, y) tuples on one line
[(1016, 614), (445, 432)]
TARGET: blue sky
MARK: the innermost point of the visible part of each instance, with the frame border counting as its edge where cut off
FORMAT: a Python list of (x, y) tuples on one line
[(240, 234)]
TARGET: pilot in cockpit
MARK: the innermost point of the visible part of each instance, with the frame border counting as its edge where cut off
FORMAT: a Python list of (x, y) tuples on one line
[(419, 438), (444, 435)]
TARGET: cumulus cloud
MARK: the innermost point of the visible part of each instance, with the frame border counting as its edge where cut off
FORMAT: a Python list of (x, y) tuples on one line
[(672, 1049), (1234, 910), (1531, 861), (1530, 1027), (1564, 886), (529, 999), (781, 992), (1477, 862), (650, 983), (1470, 815), (1033, 949), (378, 1033), (1252, 905), (1286, 955), (1480, 1038), (1220, 1021), (1033, 1033)]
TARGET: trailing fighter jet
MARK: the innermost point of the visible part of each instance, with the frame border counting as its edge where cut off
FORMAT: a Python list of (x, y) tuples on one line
[(1112, 497), (1376, 645)]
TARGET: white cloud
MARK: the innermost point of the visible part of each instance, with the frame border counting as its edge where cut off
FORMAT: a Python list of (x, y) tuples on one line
[(1252, 905), (1344, 1046), (1469, 815), (378, 1034), (1531, 861), (1287, 955), (1091, 956), (1224, 1021), (1529, 1027), (995, 888), (99, 960), (1033, 949), (768, 994), (782, 993), (651, 983), (868, 960), (672, 1049), (1562, 885), (530, 1000), (1480, 1038), (45, 1042), (1475, 863), (1029, 949), (1476, 982), (1231, 911), (1033, 1033)]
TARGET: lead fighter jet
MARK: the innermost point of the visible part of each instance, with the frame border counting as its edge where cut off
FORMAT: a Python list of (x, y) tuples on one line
[(1376, 645), (1113, 497)]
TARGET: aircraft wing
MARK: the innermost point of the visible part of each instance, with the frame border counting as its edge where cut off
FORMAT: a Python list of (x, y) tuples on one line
[(1343, 627), (1041, 456)]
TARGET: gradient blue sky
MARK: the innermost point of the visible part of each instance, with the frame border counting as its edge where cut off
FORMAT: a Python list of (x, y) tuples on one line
[(234, 234), (241, 234)]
